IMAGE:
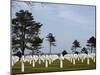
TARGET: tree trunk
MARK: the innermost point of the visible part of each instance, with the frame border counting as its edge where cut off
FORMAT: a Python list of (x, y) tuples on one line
[(23, 40), (32, 52), (50, 48), (75, 50), (91, 49)]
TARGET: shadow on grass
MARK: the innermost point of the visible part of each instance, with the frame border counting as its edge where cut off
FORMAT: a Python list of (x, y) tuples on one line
[(54, 67)]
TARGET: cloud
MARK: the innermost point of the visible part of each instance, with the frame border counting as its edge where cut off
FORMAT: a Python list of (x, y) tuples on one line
[(73, 16), (66, 22), (40, 7)]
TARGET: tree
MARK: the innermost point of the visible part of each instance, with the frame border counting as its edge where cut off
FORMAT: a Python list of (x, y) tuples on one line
[(84, 50), (18, 54), (64, 52), (25, 32), (51, 40), (91, 43), (75, 45), (76, 52), (37, 44)]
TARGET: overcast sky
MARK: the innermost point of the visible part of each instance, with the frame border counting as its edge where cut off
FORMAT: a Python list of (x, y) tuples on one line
[(66, 22)]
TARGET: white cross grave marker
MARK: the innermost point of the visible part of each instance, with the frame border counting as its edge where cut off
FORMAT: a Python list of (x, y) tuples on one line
[(22, 64), (61, 61)]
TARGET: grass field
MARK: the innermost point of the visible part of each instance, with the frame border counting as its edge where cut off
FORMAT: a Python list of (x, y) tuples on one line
[(54, 67)]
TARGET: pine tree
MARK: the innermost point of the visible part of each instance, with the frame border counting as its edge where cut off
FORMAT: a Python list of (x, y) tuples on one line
[(75, 45), (51, 40), (25, 32), (91, 43)]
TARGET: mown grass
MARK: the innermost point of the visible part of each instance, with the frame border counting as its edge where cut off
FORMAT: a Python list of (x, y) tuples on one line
[(54, 67)]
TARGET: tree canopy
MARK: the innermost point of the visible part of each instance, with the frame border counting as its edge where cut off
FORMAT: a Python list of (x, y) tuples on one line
[(84, 50), (91, 43), (75, 45), (51, 40), (64, 52), (25, 32)]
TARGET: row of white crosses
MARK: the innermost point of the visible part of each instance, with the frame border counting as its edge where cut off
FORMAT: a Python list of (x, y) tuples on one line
[(49, 59), (14, 60)]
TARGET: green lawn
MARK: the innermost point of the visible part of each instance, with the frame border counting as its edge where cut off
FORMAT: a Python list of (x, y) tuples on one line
[(54, 67)]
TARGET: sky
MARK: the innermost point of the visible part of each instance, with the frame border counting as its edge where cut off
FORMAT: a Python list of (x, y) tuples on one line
[(67, 22)]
